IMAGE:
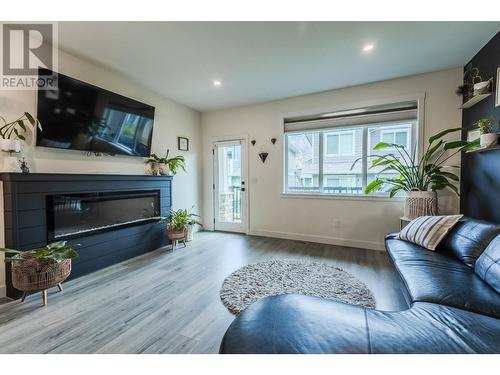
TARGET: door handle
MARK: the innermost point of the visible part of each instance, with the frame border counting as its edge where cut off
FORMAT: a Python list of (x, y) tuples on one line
[(242, 189)]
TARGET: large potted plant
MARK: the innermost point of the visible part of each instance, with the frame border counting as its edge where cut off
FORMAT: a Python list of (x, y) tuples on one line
[(419, 178), (40, 269), (166, 166), (488, 136), (12, 133)]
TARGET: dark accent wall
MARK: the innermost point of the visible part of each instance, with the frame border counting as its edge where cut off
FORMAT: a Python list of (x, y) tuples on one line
[(480, 173), (25, 206)]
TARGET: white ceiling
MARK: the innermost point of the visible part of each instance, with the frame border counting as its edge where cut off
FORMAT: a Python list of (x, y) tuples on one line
[(261, 61)]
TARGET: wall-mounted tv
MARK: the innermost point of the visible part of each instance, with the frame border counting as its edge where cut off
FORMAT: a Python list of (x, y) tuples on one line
[(80, 116)]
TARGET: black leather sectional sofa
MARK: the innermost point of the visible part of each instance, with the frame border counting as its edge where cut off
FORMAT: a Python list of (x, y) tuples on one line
[(453, 296)]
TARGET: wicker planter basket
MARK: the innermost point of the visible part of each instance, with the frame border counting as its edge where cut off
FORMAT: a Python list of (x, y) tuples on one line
[(176, 235), (420, 203), (39, 275)]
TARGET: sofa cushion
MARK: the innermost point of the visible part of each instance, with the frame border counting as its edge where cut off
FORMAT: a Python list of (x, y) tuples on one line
[(303, 324), (488, 264), (297, 324), (428, 231), (440, 278), (434, 329), (468, 239)]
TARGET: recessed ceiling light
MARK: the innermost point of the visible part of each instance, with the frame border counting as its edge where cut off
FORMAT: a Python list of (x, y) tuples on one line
[(217, 83), (368, 47)]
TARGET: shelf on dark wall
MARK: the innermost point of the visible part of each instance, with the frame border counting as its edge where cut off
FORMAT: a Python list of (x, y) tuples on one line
[(480, 175)]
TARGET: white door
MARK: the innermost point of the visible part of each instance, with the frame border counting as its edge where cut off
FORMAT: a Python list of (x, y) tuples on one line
[(230, 186)]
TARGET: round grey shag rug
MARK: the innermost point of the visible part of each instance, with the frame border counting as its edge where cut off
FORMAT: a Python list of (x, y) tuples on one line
[(255, 281)]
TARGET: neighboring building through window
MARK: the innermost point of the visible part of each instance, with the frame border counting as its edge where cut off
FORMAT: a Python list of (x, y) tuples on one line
[(332, 168), (339, 143)]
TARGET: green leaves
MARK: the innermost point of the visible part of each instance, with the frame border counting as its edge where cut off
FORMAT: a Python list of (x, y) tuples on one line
[(374, 186), (18, 127), (430, 152), (382, 145), (421, 175), (455, 144), (30, 118), (442, 134), (54, 252), (9, 251)]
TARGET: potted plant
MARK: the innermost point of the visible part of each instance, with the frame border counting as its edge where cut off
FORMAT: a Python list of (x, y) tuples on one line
[(154, 162), (165, 166), (177, 221), (41, 268), (421, 178), (488, 136), (192, 222), (11, 133)]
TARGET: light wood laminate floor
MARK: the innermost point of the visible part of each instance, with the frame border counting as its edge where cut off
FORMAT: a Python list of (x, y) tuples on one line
[(168, 302)]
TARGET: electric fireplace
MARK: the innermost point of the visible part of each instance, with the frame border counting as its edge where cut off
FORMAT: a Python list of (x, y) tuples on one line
[(80, 214)]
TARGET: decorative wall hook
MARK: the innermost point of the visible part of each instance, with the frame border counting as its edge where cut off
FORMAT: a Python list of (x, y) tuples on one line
[(263, 156), (273, 140), (253, 141)]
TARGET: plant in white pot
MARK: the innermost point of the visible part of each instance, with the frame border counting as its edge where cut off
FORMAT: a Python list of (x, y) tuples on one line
[(419, 178), (192, 223), (12, 133), (488, 136)]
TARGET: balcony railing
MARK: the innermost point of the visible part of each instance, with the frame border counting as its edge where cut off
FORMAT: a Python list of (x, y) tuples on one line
[(326, 189), (230, 204)]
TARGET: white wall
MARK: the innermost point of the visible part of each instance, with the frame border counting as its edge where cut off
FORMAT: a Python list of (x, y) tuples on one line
[(171, 120), (363, 222)]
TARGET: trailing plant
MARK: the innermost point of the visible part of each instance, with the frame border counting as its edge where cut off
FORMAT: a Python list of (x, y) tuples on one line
[(179, 219), (173, 164), (427, 173), (486, 125), (17, 128), (54, 252)]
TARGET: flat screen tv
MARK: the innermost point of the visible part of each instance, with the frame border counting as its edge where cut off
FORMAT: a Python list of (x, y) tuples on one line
[(80, 116)]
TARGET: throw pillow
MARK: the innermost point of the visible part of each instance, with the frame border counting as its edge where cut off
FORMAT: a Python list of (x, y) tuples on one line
[(428, 231)]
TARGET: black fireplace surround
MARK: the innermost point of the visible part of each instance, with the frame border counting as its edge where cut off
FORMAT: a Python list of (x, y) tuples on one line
[(109, 218)]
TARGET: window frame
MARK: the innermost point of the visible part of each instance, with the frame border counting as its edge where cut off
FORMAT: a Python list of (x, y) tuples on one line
[(339, 133), (413, 137)]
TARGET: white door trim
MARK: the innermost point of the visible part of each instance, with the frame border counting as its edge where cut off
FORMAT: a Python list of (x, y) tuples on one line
[(245, 175)]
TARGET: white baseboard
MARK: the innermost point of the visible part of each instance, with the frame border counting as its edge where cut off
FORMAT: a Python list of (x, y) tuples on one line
[(371, 245), (3, 291)]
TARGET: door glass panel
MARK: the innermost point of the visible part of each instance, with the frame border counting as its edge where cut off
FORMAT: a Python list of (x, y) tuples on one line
[(229, 184)]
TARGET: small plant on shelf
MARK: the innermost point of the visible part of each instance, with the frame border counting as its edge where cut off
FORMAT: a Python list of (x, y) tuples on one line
[(488, 135), (11, 133), (165, 166)]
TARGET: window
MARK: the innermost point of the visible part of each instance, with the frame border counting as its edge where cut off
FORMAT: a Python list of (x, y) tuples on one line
[(302, 161), (332, 156), (396, 136), (339, 143)]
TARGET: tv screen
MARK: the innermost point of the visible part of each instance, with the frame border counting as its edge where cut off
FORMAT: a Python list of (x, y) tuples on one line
[(80, 116)]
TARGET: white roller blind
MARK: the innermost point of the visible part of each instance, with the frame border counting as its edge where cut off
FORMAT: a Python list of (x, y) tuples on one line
[(360, 116)]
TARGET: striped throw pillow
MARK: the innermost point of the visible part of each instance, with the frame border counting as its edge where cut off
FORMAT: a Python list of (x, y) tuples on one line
[(428, 231)]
